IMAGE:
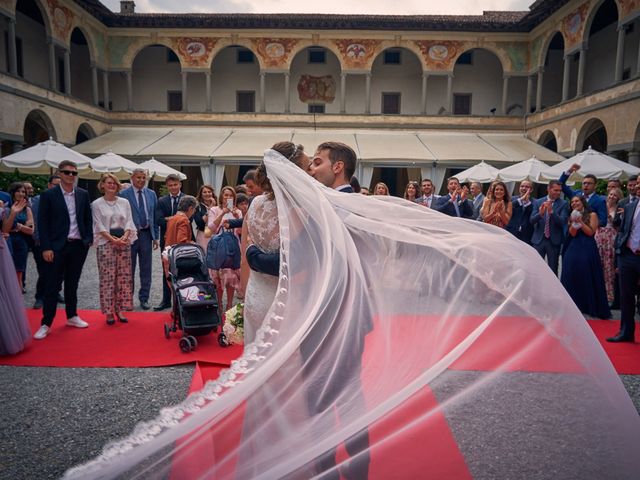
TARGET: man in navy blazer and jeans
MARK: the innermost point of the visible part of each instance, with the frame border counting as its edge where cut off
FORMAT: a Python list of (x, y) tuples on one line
[(597, 203), (549, 217), (66, 232), (143, 208)]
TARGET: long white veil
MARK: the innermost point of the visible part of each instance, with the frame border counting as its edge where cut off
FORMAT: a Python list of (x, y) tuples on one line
[(417, 344)]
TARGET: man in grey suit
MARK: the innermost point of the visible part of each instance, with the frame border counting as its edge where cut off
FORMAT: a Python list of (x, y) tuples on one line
[(478, 198), (143, 206), (549, 218)]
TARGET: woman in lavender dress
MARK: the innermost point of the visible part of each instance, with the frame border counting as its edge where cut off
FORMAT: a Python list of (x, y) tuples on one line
[(14, 329)]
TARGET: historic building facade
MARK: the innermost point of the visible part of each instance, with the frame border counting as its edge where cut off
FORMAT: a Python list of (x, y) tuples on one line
[(566, 74)]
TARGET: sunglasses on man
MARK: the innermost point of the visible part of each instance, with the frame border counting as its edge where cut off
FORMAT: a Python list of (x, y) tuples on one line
[(70, 172)]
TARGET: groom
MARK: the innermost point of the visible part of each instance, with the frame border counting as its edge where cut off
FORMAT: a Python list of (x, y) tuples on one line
[(333, 165)]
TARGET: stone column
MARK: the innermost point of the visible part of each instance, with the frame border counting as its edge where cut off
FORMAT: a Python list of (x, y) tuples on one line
[(263, 99), (638, 64), (94, 84), (505, 94), (527, 101), (18, 147), (620, 54), (185, 91), (566, 77), (207, 82), (287, 93), (67, 71), (129, 90), (13, 52), (582, 62), (634, 158), (425, 78), (450, 93), (367, 94), (343, 93), (539, 89), (105, 87), (53, 79)]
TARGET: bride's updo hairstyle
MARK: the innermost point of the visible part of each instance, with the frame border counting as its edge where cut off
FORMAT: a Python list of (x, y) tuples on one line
[(292, 152)]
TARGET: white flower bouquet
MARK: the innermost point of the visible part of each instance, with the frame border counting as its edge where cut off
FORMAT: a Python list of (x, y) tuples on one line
[(234, 324)]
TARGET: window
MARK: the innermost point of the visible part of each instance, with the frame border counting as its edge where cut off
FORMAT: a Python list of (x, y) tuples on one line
[(390, 103), (244, 56), (172, 57), (465, 59), (317, 56), (626, 74), (462, 104), (246, 101), (392, 57), (317, 108), (174, 101)]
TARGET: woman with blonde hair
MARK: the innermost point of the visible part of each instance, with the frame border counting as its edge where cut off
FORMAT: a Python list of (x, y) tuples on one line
[(206, 201), (605, 239), (114, 232), (381, 189), (496, 207), (225, 279)]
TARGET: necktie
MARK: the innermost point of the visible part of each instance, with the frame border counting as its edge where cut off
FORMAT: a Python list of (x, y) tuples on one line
[(174, 205), (455, 205), (144, 222), (547, 225)]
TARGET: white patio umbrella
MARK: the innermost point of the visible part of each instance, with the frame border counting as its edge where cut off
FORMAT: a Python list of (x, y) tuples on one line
[(593, 162), (481, 172), (43, 157), (526, 170), (110, 162), (160, 171)]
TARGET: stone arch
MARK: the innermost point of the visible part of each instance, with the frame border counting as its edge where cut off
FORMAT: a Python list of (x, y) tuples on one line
[(406, 92), (593, 133), (386, 45), (238, 42), (548, 140), (86, 33), (477, 86), (591, 17), (37, 128), (85, 132), (135, 49), (44, 12), (499, 54), (546, 43), (304, 44)]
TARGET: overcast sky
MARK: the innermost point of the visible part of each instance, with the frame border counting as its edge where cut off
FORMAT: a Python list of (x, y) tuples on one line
[(396, 7)]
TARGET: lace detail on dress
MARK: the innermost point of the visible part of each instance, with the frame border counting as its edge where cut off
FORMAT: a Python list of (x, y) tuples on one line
[(263, 224)]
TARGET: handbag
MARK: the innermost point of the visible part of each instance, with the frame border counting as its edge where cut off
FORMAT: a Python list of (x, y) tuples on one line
[(116, 232), (223, 251)]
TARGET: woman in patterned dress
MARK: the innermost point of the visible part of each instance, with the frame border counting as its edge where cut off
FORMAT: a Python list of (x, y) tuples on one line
[(496, 207), (114, 232), (605, 237)]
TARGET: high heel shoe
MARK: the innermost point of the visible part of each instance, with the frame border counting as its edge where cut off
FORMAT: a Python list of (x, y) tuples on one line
[(122, 318), (110, 320)]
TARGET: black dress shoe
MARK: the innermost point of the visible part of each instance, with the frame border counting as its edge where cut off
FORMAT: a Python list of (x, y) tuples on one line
[(145, 305), (620, 338), (162, 306)]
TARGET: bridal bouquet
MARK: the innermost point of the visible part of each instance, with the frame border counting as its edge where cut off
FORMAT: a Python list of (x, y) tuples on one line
[(234, 324)]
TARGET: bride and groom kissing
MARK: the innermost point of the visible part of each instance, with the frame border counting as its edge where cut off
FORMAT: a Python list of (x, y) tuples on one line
[(333, 165)]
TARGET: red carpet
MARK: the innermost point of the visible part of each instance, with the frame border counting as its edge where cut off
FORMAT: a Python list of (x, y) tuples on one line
[(625, 357), (139, 343)]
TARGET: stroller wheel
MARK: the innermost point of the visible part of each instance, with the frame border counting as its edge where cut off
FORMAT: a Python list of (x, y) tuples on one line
[(185, 345), (192, 341), (167, 331), (222, 340)]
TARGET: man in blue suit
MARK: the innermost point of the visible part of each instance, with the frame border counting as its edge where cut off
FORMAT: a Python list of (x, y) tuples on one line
[(549, 218), (143, 207), (597, 203), (455, 204), (66, 232), (519, 225), (627, 247)]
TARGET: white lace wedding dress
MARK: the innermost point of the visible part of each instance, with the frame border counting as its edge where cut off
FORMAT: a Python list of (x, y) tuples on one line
[(264, 231)]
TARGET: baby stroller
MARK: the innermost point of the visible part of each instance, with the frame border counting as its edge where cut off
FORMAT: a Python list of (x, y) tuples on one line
[(195, 303)]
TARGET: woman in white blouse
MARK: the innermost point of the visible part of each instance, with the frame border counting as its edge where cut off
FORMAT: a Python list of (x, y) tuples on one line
[(114, 232)]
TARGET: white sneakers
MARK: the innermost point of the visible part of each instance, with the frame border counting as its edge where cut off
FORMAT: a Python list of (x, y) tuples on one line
[(42, 332), (77, 322)]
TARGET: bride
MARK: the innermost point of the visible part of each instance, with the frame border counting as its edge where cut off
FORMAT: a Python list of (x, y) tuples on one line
[(478, 364)]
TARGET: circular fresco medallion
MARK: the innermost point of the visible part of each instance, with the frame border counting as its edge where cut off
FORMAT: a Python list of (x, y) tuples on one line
[(438, 52), (274, 50), (196, 49)]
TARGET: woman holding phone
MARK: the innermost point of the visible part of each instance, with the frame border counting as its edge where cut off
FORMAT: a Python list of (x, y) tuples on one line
[(225, 279)]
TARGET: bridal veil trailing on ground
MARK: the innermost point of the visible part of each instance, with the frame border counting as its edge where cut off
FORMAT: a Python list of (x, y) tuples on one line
[(448, 342)]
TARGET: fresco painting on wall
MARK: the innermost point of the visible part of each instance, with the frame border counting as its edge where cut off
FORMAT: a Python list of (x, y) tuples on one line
[(573, 26), (518, 54), (195, 52), (275, 51), (356, 53), (62, 19), (439, 54), (627, 7), (317, 89), (7, 5)]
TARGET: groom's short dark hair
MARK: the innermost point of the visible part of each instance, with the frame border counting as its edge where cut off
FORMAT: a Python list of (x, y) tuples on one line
[(341, 152)]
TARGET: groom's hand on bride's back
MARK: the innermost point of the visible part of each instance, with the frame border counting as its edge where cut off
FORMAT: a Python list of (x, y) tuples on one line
[(268, 263)]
